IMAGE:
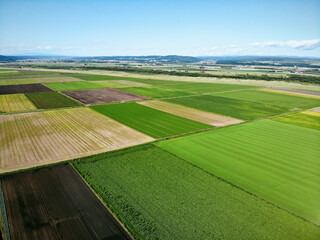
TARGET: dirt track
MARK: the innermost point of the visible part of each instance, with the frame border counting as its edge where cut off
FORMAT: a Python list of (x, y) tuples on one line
[(23, 88), (105, 95), (55, 203)]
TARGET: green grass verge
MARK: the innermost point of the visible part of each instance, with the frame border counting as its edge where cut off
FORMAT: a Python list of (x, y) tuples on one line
[(273, 98), (156, 92), (45, 100), (159, 196), (276, 161), (66, 86), (147, 120), (207, 87), (240, 109), (301, 119)]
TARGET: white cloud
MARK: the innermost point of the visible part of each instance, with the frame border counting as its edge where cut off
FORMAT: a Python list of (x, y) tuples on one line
[(303, 45)]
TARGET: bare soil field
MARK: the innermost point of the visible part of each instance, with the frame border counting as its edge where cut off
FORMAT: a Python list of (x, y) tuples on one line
[(106, 95), (55, 203), (38, 138), (15, 103), (23, 88), (191, 113)]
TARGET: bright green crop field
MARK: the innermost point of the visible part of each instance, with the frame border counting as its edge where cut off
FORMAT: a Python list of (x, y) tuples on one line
[(245, 110), (160, 196), (306, 119), (46, 100), (156, 92), (277, 161), (150, 121), (273, 98), (66, 86), (207, 87)]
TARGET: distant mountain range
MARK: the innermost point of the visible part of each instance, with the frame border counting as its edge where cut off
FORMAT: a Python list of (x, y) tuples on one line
[(239, 60)]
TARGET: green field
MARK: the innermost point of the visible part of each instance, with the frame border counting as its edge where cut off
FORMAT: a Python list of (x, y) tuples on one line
[(66, 86), (150, 121), (207, 87), (306, 119), (160, 196), (273, 98), (46, 100), (157, 82), (110, 84), (245, 110), (156, 92), (277, 161)]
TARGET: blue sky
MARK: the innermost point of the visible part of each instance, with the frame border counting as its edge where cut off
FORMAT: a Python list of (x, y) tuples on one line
[(146, 27)]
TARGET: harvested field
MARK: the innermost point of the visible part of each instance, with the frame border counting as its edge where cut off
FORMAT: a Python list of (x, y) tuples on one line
[(47, 100), (269, 97), (240, 109), (23, 88), (110, 84), (316, 109), (150, 121), (38, 138), (191, 113), (131, 83), (156, 92), (15, 103), (206, 87), (160, 196), (107, 95), (43, 79), (295, 92), (276, 161), (66, 86), (305, 119), (54, 203)]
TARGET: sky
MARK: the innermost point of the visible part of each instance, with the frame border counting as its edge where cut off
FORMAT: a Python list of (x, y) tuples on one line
[(160, 27)]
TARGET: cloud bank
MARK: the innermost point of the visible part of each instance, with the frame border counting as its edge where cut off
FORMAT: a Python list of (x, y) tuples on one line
[(303, 45)]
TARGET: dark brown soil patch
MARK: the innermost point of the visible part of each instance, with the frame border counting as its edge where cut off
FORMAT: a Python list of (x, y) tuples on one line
[(23, 88)]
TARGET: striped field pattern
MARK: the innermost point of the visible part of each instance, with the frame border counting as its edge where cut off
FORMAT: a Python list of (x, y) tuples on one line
[(277, 161), (15, 103)]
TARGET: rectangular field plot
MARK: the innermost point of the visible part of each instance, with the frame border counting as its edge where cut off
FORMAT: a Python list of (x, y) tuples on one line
[(15, 103), (207, 87), (294, 92), (106, 95), (277, 161), (156, 92), (66, 86), (46, 100), (273, 98), (191, 113), (55, 203), (23, 88), (92, 77), (305, 119), (36, 79), (110, 84), (39, 138), (160, 196), (150, 121), (239, 109)]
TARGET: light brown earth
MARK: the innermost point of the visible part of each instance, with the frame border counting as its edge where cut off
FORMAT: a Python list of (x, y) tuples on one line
[(191, 113), (290, 92), (104, 95), (15, 103), (38, 138), (131, 83), (316, 109)]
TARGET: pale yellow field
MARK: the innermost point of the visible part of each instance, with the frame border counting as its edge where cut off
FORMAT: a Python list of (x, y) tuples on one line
[(38, 138), (110, 84), (288, 93), (131, 83), (317, 114), (191, 113), (15, 103), (38, 80)]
